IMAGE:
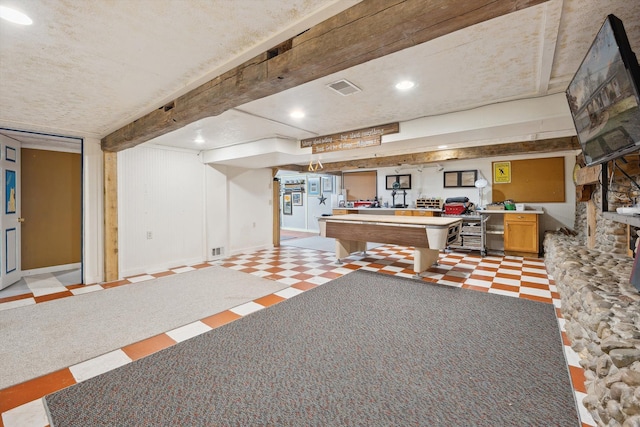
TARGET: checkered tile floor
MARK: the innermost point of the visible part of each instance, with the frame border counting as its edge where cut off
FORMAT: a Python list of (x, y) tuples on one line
[(300, 269)]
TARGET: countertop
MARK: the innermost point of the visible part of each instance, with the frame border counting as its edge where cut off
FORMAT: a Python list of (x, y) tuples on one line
[(485, 211)]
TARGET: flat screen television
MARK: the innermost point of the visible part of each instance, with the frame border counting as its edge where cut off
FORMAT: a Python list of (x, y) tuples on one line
[(604, 96)]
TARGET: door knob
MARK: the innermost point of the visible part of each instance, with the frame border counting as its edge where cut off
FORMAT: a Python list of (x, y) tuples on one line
[(20, 219)]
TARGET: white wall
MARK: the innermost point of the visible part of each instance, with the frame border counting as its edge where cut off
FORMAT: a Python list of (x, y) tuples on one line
[(250, 209), (429, 183), (160, 191), (93, 214), (217, 210), (305, 217)]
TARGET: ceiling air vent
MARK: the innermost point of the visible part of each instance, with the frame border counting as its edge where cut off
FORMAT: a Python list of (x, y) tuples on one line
[(344, 87)]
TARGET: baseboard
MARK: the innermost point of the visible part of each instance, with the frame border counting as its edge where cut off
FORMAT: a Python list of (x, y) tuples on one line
[(51, 269)]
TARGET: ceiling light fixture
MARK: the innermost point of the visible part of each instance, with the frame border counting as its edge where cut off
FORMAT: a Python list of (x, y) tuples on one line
[(297, 114), (442, 146), (199, 140), (405, 85), (14, 16)]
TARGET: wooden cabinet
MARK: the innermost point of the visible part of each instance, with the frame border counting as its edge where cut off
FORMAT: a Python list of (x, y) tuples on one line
[(340, 211), (404, 213), (521, 234), (424, 213)]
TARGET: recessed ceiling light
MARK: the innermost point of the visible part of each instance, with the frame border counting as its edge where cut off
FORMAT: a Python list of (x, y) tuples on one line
[(14, 16), (405, 85), (199, 140), (297, 114), (442, 146)]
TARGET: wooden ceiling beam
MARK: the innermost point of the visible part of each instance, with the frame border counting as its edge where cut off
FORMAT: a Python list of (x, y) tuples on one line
[(369, 30), (497, 150)]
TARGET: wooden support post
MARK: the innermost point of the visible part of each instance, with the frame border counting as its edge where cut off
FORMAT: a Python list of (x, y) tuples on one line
[(110, 167), (276, 208)]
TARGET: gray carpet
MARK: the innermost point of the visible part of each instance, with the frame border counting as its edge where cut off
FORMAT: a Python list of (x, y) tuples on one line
[(45, 337), (366, 349)]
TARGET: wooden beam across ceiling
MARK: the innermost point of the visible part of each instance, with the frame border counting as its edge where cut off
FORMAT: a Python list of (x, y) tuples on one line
[(366, 31), (485, 151)]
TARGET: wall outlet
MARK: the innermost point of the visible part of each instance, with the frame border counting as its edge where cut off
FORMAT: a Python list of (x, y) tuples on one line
[(149, 235)]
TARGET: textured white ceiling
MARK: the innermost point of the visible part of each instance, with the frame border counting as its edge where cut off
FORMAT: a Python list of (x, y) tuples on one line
[(86, 68), (89, 67)]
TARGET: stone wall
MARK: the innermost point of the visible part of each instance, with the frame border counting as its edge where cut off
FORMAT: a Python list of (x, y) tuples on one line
[(611, 236), (601, 308), (602, 314)]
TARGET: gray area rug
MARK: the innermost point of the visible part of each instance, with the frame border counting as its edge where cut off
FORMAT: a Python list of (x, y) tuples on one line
[(45, 337), (366, 349), (325, 244)]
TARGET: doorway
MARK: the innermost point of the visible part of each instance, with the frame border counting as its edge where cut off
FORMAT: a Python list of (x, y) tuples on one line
[(51, 208)]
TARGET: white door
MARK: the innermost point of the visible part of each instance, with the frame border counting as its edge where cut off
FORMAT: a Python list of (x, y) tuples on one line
[(10, 220)]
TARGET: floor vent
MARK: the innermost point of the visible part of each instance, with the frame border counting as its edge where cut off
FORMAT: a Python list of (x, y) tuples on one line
[(217, 252), (344, 87)]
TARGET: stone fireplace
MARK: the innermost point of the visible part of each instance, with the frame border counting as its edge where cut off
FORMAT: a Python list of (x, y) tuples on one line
[(600, 306)]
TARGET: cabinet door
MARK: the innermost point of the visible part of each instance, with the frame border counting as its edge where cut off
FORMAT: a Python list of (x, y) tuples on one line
[(521, 236), (422, 213), (403, 213)]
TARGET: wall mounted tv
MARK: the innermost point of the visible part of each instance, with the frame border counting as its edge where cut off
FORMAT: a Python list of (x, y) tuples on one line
[(604, 96)]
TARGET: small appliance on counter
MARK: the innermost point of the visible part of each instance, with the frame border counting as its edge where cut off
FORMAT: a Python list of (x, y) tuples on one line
[(456, 205)]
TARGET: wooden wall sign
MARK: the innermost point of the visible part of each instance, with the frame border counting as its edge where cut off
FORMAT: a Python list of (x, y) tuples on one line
[(358, 138)]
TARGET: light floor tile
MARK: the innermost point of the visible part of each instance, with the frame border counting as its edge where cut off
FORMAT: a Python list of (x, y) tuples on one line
[(527, 269), (536, 292), (484, 273), (512, 282), (318, 280), (140, 278), (191, 330), (99, 365), (509, 271), (289, 280), (534, 279), (288, 273), (585, 416), (511, 264), (288, 265), (247, 308), (17, 303), (573, 359), (262, 273), (463, 274), (44, 285), (449, 283), (475, 282), (86, 289), (182, 269), (32, 414), (288, 292), (562, 323), (393, 268)]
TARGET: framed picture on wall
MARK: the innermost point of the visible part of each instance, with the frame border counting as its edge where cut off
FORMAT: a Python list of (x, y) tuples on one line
[(393, 182), (287, 208), (460, 178), (297, 198), (314, 186), (405, 181), (327, 184), (10, 191)]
